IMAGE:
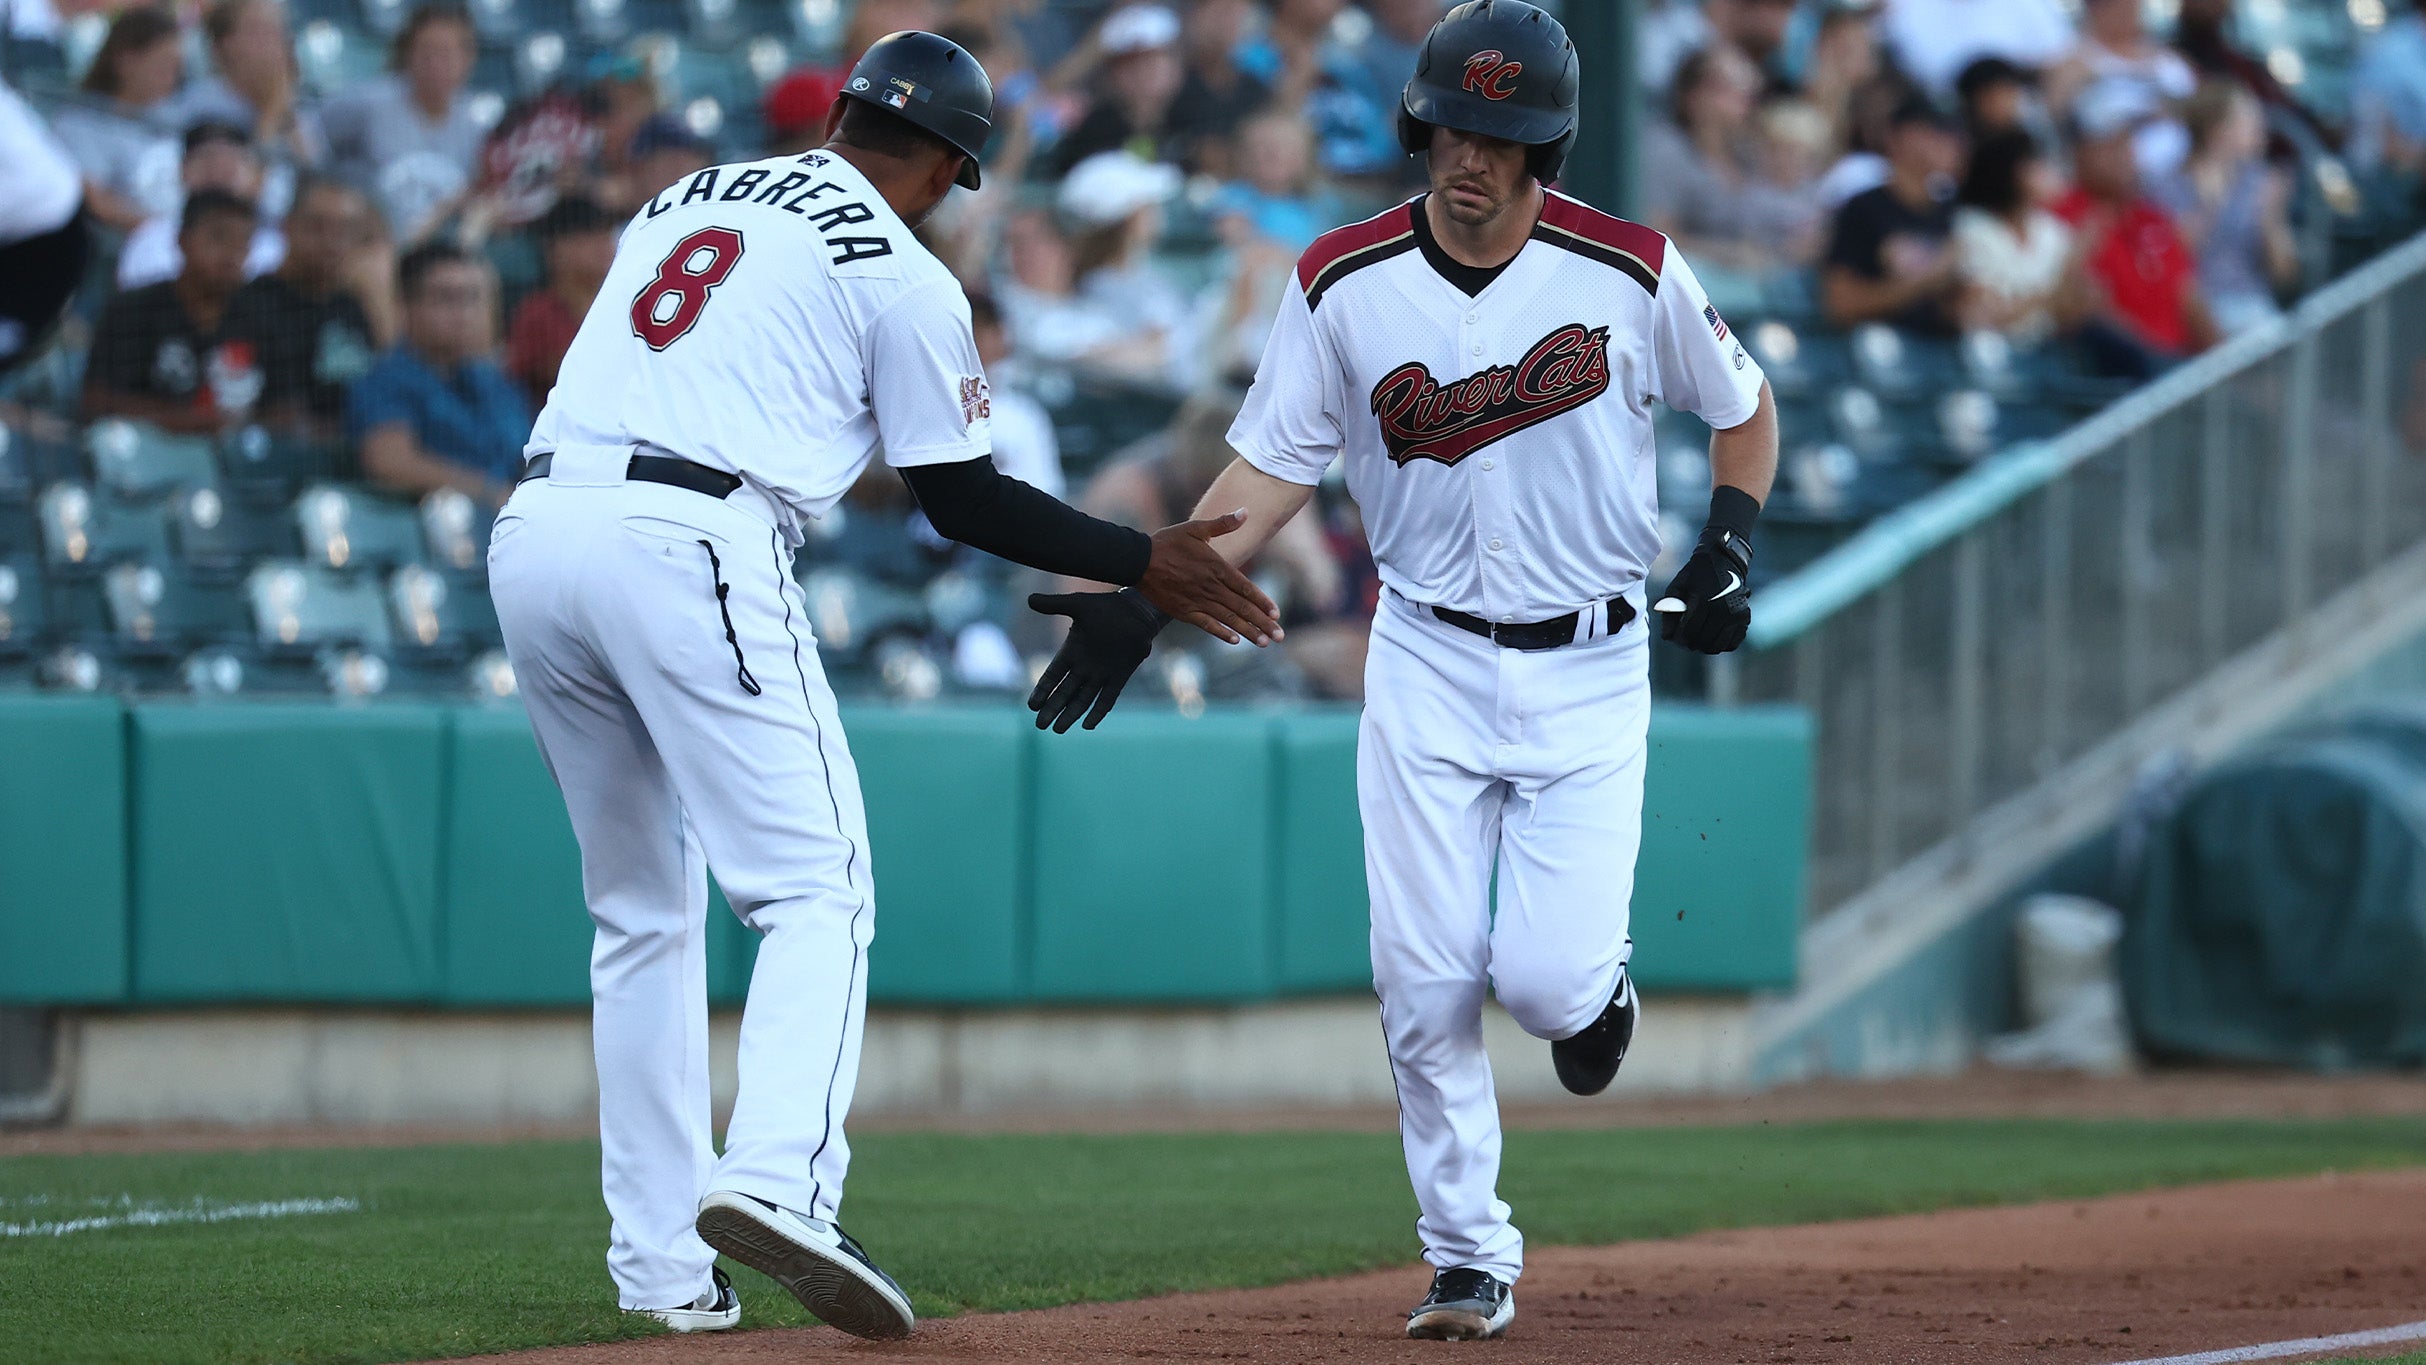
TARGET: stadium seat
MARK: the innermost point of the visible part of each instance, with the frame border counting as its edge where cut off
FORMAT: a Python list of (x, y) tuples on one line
[(142, 461), (1968, 425), (385, 17), (498, 21), (261, 466), (850, 612), (300, 609), (602, 21), (817, 23), (24, 616), (539, 59), (218, 537), (715, 23), (436, 617), (160, 615), (1819, 480), (333, 58), (29, 462), (84, 531), (1860, 421), (349, 529), (1893, 363), (455, 532)]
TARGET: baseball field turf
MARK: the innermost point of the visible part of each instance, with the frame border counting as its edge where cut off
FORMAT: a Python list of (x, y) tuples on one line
[(409, 1253)]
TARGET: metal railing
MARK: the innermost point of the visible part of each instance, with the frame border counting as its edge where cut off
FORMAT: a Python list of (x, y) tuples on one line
[(1963, 648)]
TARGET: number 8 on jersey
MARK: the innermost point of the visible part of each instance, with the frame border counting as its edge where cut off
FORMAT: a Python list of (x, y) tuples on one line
[(670, 304)]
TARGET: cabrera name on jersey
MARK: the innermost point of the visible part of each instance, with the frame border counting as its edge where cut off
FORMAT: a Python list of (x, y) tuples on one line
[(1499, 444), (778, 320)]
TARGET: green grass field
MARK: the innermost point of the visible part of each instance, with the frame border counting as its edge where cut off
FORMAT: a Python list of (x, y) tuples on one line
[(463, 1249)]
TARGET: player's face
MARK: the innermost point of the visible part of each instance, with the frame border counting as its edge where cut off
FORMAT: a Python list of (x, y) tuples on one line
[(1476, 178)]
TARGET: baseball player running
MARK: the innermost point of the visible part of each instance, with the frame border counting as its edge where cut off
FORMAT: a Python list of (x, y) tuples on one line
[(1485, 358), (764, 328)]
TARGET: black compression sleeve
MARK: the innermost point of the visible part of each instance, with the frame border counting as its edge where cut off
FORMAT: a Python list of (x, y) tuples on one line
[(980, 506)]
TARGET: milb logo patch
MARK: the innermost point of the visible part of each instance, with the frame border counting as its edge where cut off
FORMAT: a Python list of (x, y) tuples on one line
[(1424, 419)]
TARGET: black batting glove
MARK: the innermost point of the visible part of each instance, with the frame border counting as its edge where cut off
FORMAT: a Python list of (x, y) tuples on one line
[(1110, 635), (1707, 607)]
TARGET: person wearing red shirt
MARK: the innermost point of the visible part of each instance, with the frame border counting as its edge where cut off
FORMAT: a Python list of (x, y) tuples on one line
[(577, 239), (2153, 313)]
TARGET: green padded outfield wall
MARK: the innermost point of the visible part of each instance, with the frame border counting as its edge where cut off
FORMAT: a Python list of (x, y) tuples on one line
[(419, 854), (1153, 853), (947, 798), (63, 919), (286, 851)]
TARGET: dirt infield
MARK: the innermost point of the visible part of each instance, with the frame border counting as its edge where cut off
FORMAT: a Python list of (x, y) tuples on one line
[(2076, 1283), (2192, 1094)]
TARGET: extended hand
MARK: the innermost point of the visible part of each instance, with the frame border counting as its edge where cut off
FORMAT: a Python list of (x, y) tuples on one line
[(1110, 635), (1189, 580), (1708, 605)]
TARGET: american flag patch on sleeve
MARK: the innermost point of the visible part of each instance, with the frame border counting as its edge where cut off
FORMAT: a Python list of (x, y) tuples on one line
[(1718, 325)]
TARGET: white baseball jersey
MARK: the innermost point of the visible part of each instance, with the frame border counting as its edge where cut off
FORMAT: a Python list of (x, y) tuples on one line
[(1499, 444), (775, 319)]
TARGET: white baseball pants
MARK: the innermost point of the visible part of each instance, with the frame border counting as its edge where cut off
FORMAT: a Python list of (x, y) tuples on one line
[(1476, 760), (671, 742)]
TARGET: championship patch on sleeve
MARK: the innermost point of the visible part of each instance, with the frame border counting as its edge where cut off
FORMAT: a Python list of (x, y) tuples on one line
[(1718, 325), (976, 404)]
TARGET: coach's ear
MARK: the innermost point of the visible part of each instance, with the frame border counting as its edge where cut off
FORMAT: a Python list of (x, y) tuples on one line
[(943, 175)]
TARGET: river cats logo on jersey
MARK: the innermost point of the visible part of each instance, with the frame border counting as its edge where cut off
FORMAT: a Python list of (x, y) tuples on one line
[(1424, 419)]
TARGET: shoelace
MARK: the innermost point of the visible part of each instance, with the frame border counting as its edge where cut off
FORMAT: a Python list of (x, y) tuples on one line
[(741, 666)]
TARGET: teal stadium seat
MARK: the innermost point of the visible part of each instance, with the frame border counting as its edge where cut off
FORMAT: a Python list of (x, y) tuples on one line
[(137, 460), (350, 530), (85, 530)]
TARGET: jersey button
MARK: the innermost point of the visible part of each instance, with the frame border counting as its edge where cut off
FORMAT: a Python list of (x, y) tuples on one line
[(1478, 348), (1495, 543), (1474, 317), (1489, 464)]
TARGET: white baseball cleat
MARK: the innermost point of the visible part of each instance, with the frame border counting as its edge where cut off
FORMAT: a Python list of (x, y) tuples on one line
[(815, 1260), (715, 1311)]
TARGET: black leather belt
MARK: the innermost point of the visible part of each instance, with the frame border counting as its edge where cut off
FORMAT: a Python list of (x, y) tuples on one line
[(665, 469), (1550, 634)]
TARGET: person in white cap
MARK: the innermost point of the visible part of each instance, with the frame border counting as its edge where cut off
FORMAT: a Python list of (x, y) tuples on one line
[(1137, 93), (1113, 204)]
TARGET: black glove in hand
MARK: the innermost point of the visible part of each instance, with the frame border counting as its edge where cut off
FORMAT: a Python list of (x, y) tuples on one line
[(1110, 635), (1714, 587)]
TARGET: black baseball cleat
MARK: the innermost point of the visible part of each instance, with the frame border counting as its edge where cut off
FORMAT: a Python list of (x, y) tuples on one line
[(1588, 1061), (829, 1273), (1465, 1305)]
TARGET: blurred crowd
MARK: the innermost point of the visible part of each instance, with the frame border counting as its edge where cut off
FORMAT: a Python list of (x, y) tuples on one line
[(392, 267)]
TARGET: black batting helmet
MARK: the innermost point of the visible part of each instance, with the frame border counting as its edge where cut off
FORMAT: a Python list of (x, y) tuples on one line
[(934, 83), (1501, 68)]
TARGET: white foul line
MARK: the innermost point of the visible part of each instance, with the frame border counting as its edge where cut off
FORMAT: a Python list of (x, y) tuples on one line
[(152, 1217), (2279, 1350)]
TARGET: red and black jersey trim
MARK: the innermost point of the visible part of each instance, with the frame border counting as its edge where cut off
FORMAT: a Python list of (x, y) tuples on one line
[(1342, 252), (1630, 248)]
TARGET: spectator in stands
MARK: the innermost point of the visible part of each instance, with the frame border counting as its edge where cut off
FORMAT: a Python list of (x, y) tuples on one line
[(1868, 121), (1136, 104), (1756, 28), (1025, 446), (1665, 33), (255, 86), (409, 137), (435, 412), (1995, 96), (2020, 275), (1038, 291), (1355, 135), (663, 151), (1216, 95), (120, 130), (2388, 98), (1385, 58), (1889, 252), (2115, 49), (2233, 208), (2151, 312), (163, 353), (1844, 58), (218, 156), (1699, 181), (1277, 196), (577, 241), (795, 108), (2200, 35), (318, 321), (1114, 201), (1933, 40)]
